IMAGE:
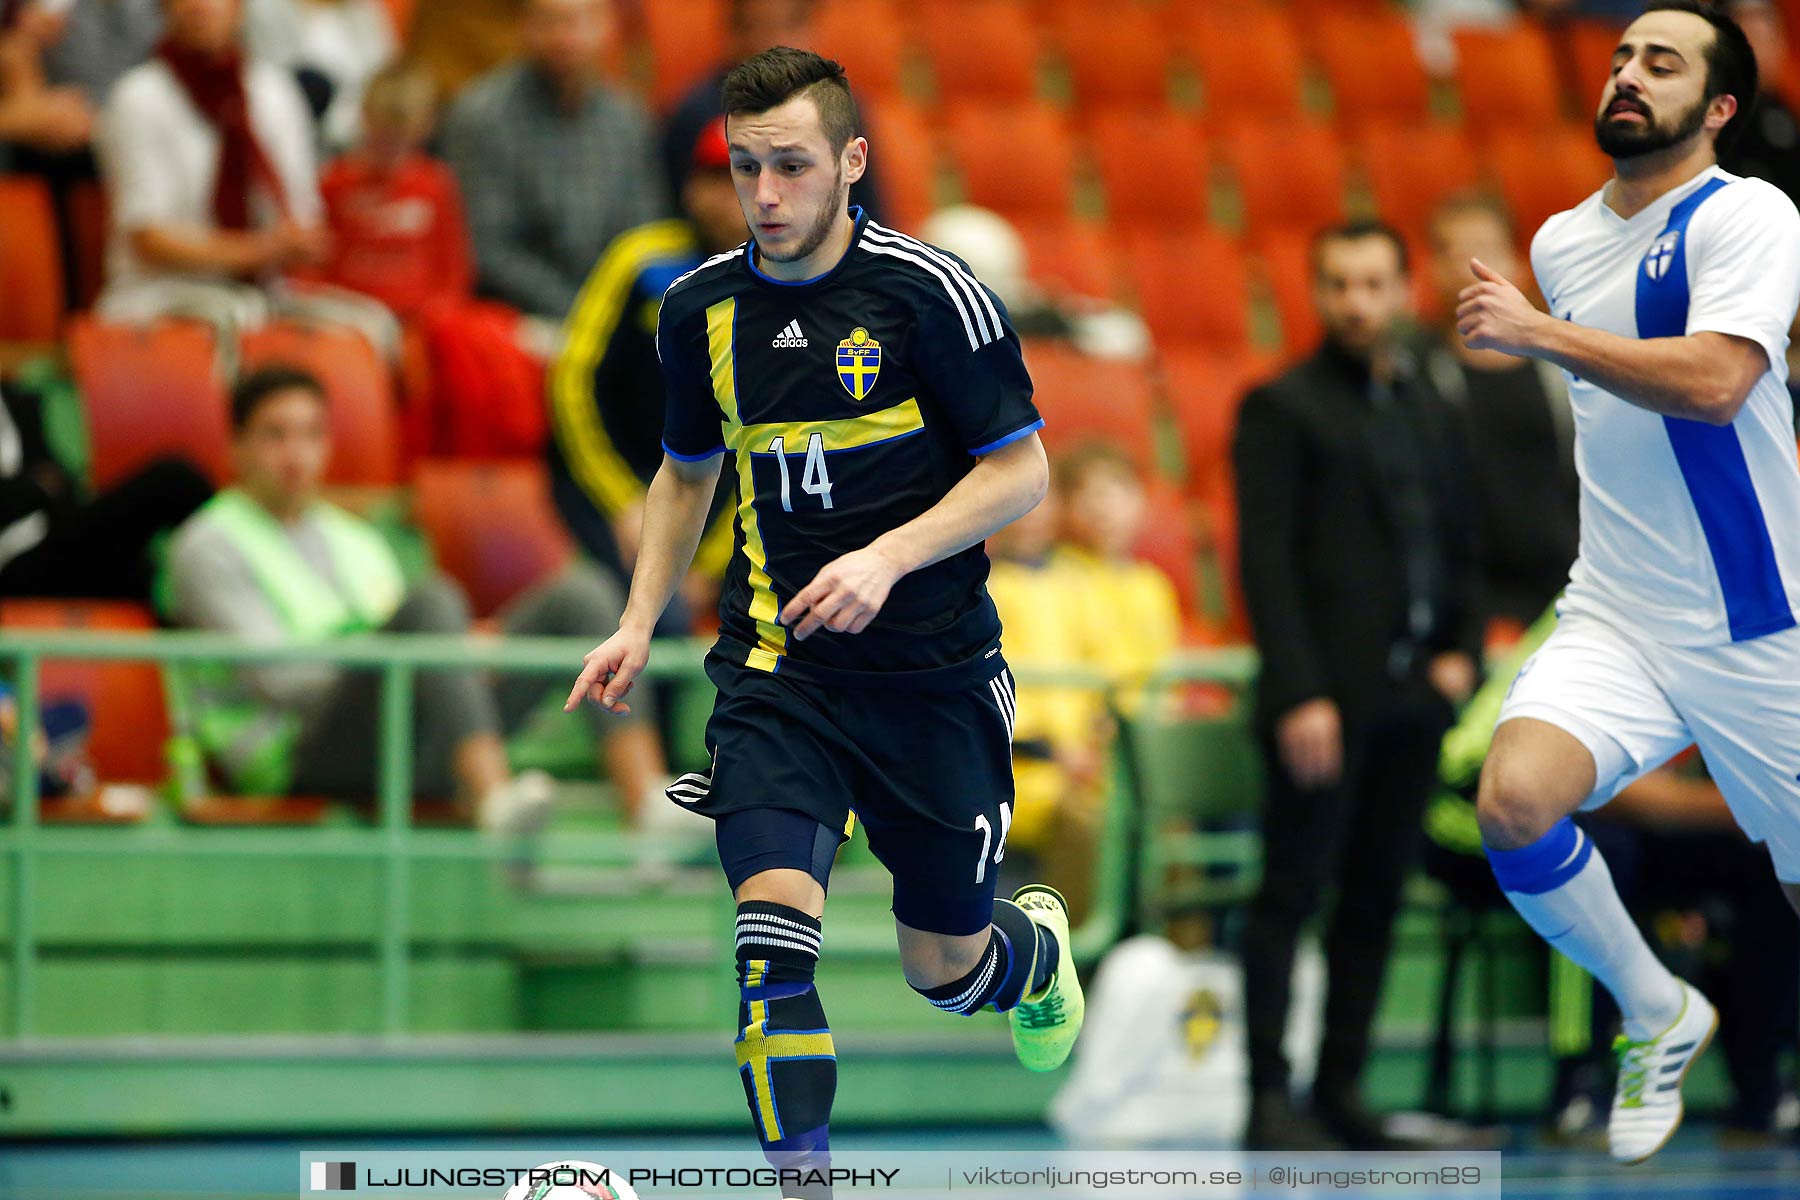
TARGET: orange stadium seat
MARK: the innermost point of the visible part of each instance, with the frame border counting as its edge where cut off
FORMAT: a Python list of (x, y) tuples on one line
[(1251, 61), (1168, 542), (365, 419), (1372, 65), (981, 50), (31, 282), (1192, 287), (1286, 258), (1119, 54), (400, 15), (901, 140), (1016, 159), (1541, 173), (127, 709), (1069, 256), (1508, 78), (1290, 174), (150, 391), (1413, 168), (1154, 167), (1587, 48), (1205, 388), (870, 39), (686, 40), (1091, 399), (492, 526)]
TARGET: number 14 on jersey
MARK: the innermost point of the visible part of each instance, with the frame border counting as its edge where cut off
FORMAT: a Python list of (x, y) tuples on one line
[(815, 480)]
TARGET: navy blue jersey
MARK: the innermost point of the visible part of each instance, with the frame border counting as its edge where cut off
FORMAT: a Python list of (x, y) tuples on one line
[(853, 402)]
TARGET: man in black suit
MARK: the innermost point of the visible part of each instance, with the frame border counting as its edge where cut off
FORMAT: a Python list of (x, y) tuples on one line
[(1360, 576)]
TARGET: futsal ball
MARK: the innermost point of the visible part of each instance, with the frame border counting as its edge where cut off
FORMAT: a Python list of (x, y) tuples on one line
[(571, 1179)]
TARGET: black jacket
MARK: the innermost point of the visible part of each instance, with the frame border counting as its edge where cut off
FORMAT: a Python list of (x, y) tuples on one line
[(1320, 553)]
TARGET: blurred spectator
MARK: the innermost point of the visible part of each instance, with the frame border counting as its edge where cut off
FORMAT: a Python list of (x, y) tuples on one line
[(57, 541), (1769, 145), (1080, 598), (996, 255), (553, 163), (395, 215), (36, 113), (606, 388), (1521, 429), (94, 42), (1671, 843), (59, 60), (752, 26), (345, 42), (208, 161), (1359, 581), (456, 40), (268, 558), (1127, 607), (1435, 23)]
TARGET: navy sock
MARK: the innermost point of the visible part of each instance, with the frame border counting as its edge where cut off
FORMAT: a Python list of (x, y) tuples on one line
[(785, 1054)]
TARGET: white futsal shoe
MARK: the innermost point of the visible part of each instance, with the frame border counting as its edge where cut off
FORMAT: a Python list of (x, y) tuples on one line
[(1646, 1108)]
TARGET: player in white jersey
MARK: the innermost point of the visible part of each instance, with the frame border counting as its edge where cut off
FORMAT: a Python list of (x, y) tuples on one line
[(1671, 291)]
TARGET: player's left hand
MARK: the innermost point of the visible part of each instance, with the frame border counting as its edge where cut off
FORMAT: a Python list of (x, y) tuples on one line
[(844, 596), (1492, 314)]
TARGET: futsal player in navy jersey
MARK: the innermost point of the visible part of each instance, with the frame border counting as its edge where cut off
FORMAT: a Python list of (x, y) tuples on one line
[(880, 418)]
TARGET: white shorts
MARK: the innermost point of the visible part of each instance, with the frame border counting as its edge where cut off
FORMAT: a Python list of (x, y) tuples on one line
[(1635, 704)]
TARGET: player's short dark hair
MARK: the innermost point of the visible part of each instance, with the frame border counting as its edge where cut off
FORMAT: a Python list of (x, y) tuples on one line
[(1730, 62), (1357, 230), (264, 384), (775, 76)]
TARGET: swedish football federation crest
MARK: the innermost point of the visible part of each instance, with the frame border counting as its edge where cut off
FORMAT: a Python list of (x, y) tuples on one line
[(858, 363), (1661, 254)]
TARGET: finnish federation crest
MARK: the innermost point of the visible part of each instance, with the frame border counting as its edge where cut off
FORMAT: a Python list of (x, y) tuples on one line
[(1661, 254), (858, 363)]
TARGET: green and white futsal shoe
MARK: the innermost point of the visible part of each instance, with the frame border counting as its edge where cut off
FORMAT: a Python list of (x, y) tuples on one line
[(1646, 1108), (1045, 1023)]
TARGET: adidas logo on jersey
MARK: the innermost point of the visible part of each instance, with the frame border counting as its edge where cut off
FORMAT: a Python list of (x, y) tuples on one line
[(790, 338)]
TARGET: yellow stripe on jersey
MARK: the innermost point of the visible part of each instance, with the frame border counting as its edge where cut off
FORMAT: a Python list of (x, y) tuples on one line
[(575, 417), (846, 434), (772, 638)]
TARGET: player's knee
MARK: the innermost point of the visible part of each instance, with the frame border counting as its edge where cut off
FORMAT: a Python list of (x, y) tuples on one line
[(1511, 806), (784, 885)]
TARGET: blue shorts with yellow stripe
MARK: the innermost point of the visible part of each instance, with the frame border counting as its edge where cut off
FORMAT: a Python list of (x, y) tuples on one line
[(928, 772)]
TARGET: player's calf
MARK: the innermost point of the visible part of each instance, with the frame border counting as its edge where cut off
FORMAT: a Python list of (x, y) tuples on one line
[(1019, 958), (785, 1055)]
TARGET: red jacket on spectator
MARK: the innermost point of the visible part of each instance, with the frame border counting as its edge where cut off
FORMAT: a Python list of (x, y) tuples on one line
[(398, 236)]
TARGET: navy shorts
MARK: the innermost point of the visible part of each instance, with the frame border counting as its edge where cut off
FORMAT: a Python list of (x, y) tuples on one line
[(929, 774)]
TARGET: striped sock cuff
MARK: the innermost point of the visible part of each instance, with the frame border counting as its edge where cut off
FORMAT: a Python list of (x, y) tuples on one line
[(968, 994), (776, 931)]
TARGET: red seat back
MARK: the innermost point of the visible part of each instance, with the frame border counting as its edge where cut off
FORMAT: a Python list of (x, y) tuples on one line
[(126, 705)]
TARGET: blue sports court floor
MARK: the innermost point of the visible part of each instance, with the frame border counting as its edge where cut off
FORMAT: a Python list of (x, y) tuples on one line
[(1690, 1169)]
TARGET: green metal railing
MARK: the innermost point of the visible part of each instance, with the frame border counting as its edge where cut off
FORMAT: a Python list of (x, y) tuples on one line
[(399, 658)]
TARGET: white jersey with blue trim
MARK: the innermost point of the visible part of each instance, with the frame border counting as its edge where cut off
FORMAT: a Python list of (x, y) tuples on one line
[(1690, 533)]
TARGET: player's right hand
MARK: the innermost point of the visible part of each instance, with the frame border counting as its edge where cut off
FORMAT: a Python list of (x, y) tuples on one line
[(1310, 737), (609, 670)]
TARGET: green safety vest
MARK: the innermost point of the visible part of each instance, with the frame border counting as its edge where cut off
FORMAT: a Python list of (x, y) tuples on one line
[(253, 742), (1450, 817)]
